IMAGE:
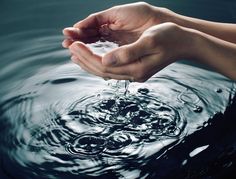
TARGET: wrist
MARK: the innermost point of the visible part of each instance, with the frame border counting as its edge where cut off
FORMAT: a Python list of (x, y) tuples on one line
[(213, 52), (194, 44), (163, 15)]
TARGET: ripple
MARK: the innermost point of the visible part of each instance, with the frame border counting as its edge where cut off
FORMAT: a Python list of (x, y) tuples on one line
[(143, 90), (87, 144), (60, 119), (118, 141), (63, 80), (51, 137)]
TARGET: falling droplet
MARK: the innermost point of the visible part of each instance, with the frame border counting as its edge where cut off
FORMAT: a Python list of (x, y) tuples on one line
[(127, 82)]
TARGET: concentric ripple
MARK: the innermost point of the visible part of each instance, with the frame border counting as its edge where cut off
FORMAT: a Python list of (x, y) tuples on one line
[(138, 114), (60, 119), (87, 145)]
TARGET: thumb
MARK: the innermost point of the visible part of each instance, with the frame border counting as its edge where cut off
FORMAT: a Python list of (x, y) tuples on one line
[(125, 54)]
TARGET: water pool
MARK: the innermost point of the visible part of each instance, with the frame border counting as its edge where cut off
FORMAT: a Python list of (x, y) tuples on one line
[(58, 121)]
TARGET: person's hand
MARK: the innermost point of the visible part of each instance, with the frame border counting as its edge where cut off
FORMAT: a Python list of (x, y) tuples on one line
[(156, 48), (123, 24)]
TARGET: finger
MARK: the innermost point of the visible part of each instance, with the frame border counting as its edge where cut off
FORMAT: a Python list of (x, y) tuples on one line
[(80, 50), (74, 58), (142, 69), (96, 20), (92, 62), (67, 42), (125, 54), (79, 34), (79, 59), (82, 63), (79, 62)]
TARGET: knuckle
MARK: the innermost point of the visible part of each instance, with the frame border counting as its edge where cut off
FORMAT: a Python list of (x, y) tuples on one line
[(171, 28), (142, 3), (93, 15), (172, 25)]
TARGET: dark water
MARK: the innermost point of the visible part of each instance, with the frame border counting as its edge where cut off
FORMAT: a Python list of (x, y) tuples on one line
[(57, 121)]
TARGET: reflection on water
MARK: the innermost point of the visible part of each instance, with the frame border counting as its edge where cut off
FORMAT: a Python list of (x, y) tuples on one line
[(58, 121)]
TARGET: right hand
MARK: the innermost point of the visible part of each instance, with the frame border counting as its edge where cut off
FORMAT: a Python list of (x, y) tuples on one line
[(157, 47), (123, 24)]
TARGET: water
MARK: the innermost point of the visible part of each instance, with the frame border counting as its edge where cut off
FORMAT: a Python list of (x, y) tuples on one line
[(58, 121)]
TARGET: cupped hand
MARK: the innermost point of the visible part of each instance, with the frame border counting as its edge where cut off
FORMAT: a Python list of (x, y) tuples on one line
[(156, 48), (123, 24)]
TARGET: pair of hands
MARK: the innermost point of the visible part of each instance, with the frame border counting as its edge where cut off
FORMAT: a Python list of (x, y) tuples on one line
[(148, 42)]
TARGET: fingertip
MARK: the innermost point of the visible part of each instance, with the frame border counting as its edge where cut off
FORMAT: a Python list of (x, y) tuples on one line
[(63, 44), (65, 31), (70, 32), (66, 43)]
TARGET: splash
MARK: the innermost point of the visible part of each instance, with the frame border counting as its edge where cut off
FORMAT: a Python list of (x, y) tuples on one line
[(60, 119)]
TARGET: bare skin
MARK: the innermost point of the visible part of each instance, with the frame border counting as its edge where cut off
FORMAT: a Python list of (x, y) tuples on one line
[(151, 38)]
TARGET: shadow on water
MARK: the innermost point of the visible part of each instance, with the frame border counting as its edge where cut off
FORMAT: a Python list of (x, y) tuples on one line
[(217, 160), (57, 121)]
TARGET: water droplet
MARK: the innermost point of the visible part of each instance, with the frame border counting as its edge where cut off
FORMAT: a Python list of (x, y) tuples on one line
[(164, 108), (219, 90), (107, 104), (87, 144), (165, 121), (118, 141), (127, 82), (172, 131), (143, 91), (197, 109), (184, 162)]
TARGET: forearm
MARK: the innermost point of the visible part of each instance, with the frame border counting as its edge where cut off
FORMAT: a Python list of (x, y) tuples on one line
[(216, 53), (224, 31)]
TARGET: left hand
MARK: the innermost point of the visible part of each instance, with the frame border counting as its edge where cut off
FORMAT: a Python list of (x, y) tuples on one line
[(124, 23), (156, 48)]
